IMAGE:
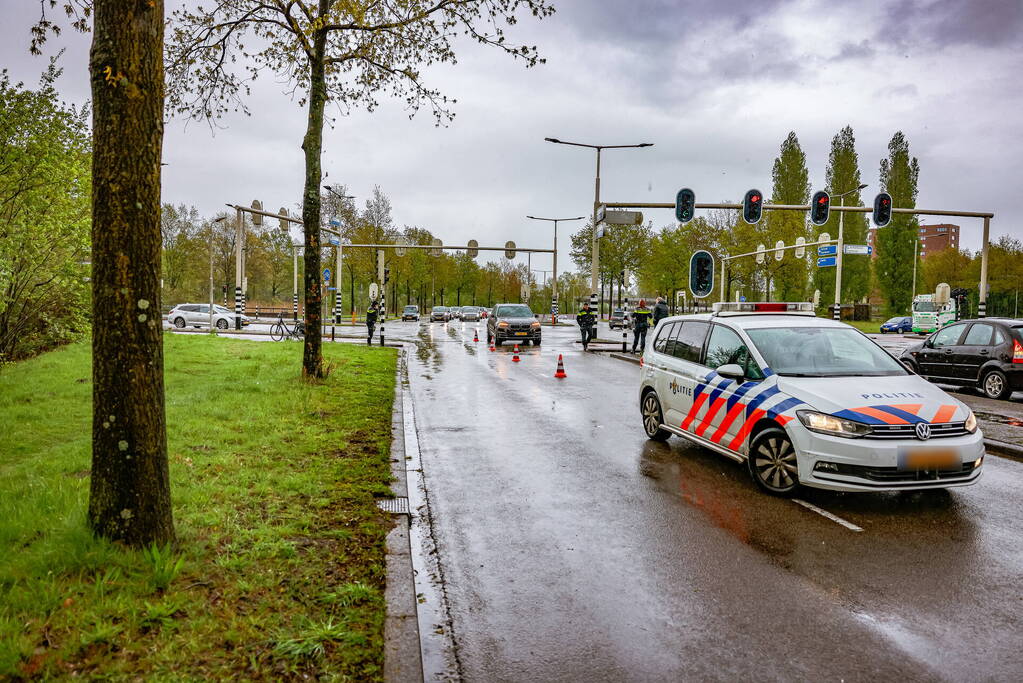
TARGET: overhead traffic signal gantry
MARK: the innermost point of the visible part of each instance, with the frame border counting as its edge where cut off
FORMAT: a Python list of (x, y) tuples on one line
[(752, 206), (685, 205), (820, 207), (882, 209), (701, 274)]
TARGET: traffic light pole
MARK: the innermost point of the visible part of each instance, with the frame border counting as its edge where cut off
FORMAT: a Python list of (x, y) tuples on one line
[(987, 216), (837, 313)]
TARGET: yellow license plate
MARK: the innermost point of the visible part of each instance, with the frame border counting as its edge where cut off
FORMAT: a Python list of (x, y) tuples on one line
[(521, 334), (929, 459)]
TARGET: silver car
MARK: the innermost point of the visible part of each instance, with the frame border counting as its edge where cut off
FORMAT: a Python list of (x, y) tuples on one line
[(198, 315), (470, 313)]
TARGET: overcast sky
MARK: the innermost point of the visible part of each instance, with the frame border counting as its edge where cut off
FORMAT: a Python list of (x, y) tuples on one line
[(715, 84)]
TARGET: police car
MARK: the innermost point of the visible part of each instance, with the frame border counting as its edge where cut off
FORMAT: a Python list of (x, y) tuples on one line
[(804, 401)]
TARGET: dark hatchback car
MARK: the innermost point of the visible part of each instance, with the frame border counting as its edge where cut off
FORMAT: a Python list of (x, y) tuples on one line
[(897, 325), (513, 322), (987, 354)]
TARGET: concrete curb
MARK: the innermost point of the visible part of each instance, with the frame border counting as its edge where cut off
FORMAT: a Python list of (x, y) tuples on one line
[(402, 654), (1008, 450), (621, 356)]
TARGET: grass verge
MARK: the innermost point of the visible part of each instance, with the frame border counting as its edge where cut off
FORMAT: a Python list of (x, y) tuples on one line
[(279, 567)]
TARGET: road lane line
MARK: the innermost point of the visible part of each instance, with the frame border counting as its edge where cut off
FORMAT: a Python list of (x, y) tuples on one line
[(825, 513)]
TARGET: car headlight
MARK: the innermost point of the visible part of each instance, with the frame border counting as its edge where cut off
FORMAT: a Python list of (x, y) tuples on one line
[(971, 423), (535, 326), (502, 324), (829, 424)]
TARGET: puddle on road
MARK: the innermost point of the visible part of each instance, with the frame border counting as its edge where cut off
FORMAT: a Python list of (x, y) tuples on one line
[(999, 419), (427, 352)]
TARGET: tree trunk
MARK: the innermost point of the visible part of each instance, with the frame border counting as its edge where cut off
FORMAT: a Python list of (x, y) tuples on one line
[(129, 497), (312, 145)]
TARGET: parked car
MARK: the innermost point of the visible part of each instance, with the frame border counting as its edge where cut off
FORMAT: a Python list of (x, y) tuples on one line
[(198, 315), (986, 353), (804, 401), (410, 312), (899, 325), (515, 322), (440, 314), (619, 320), (470, 313)]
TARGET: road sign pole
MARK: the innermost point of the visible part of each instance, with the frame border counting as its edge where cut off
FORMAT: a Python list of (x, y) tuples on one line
[(982, 295), (294, 281), (838, 262), (554, 277)]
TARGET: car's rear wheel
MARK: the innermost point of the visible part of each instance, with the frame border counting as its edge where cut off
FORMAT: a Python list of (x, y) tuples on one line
[(221, 324), (179, 322), (996, 385), (536, 342), (772, 463), (653, 418)]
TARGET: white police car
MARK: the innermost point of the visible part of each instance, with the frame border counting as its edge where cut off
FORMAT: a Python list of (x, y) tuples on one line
[(804, 401)]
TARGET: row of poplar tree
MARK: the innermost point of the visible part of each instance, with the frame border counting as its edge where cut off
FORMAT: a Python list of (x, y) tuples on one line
[(659, 258)]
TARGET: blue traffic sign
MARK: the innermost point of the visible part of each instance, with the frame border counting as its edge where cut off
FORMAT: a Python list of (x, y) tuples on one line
[(827, 250), (742, 298), (335, 222), (326, 274), (333, 241), (826, 261)]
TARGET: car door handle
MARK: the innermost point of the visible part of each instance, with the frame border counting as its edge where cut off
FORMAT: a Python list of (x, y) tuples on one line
[(948, 352), (984, 352)]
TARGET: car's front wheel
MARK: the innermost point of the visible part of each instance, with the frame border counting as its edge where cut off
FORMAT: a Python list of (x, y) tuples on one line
[(911, 366), (772, 463), (179, 322), (653, 418), (222, 324), (996, 385)]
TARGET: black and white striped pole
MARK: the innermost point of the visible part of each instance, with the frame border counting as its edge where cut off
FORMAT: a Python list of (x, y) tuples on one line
[(982, 294), (294, 282), (238, 232)]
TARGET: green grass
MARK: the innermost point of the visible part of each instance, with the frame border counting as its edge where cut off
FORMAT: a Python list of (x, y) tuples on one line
[(278, 571), (869, 326)]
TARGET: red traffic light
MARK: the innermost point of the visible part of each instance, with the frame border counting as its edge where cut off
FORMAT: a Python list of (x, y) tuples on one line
[(755, 198), (823, 200)]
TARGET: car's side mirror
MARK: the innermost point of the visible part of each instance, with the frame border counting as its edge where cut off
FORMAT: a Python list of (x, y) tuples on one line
[(731, 371), (928, 343)]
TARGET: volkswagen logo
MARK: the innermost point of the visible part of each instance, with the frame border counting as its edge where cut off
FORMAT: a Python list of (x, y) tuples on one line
[(923, 431)]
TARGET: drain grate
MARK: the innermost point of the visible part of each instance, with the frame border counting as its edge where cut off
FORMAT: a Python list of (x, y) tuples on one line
[(396, 506)]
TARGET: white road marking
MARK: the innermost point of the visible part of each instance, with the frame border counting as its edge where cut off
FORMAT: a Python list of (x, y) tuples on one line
[(825, 513)]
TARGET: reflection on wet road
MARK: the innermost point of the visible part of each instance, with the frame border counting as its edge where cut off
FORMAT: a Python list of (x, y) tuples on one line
[(575, 549)]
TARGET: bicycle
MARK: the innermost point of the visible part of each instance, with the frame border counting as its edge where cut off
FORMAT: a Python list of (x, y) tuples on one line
[(279, 330)]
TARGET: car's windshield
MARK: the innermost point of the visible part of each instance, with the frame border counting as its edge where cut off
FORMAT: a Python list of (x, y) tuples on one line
[(440, 309), (516, 311), (469, 309), (619, 313), (822, 352), (411, 308), (924, 306), (894, 321), (221, 309)]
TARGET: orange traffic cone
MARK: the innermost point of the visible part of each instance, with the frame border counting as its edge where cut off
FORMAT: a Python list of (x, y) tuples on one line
[(476, 335), (560, 372), (515, 358), (492, 347)]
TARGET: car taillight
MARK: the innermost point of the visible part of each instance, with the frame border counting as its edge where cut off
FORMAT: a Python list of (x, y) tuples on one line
[(1017, 351)]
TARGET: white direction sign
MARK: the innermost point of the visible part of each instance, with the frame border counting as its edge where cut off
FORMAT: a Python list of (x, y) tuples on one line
[(800, 249), (623, 217), (601, 211), (863, 249), (780, 254), (760, 253)]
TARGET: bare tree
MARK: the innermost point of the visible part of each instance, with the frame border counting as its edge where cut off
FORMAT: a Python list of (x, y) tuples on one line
[(344, 51)]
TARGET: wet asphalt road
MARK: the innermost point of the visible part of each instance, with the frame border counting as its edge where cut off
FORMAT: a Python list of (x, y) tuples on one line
[(575, 549)]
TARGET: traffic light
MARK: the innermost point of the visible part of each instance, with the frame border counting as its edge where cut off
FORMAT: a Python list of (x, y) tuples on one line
[(685, 205), (752, 206), (701, 274), (882, 209), (387, 275), (820, 207)]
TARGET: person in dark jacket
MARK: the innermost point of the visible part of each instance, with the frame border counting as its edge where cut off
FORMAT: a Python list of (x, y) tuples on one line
[(640, 324), (587, 320), (660, 310), (371, 321)]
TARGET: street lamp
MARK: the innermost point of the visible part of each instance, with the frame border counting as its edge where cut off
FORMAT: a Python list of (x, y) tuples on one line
[(215, 220), (595, 265), (554, 277), (837, 315)]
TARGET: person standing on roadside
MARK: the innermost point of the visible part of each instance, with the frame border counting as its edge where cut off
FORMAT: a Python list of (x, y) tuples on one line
[(587, 320), (371, 321), (660, 310), (640, 324)]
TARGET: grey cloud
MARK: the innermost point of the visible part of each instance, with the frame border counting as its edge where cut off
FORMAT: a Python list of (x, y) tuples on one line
[(850, 51), (954, 22), (904, 90)]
